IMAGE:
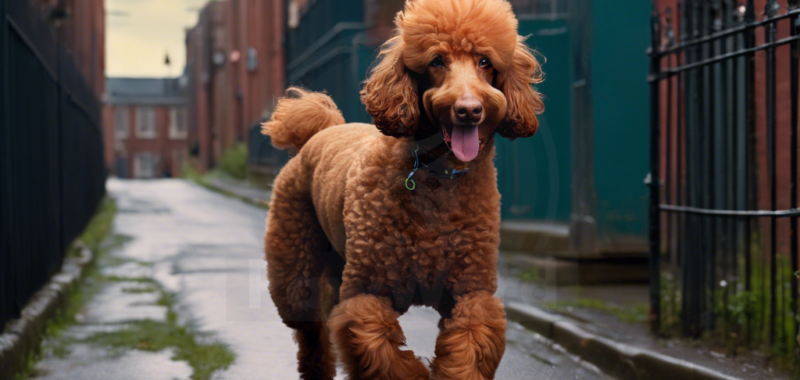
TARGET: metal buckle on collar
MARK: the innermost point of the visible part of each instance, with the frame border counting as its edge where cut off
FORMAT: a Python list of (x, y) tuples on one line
[(448, 174), (457, 173)]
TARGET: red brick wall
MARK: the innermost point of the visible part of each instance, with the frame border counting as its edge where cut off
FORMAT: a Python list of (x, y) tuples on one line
[(109, 137), (83, 34), (235, 98), (198, 59)]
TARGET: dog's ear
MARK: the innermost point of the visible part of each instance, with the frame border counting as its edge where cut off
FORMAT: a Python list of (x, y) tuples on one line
[(524, 103), (390, 93)]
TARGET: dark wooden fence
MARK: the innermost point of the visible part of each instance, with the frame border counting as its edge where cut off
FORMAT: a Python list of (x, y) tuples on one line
[(724, 197), (52, 175)]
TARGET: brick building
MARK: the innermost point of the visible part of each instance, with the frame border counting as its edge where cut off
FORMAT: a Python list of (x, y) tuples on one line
[(145, 124), (235, 67), (81, 27)]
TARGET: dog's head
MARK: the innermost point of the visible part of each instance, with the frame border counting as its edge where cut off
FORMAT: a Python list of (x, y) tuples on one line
[(458, 66)]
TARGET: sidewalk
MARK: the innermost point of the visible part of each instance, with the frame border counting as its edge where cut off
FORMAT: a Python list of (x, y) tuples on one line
[(239, 189), (611, 315)]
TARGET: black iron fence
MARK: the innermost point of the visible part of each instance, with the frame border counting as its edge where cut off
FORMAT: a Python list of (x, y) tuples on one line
[(52, 175), (724, 196)]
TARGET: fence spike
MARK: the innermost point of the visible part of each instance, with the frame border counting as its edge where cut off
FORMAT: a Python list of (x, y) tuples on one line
[(670, 29), (771, 9), (750, 12), (716, 13), (655, 24), (682, 21)]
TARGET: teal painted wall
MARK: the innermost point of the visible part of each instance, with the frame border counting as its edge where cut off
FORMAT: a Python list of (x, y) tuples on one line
[(534, 173), (326, 53), (620, 36)]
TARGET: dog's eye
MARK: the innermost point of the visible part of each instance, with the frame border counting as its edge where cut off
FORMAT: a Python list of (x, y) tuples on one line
[(437, 62), (485, 63)]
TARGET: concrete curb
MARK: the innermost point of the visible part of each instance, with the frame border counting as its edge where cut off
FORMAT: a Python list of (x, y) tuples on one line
[(253, 201), (615, 359), (21, 337)]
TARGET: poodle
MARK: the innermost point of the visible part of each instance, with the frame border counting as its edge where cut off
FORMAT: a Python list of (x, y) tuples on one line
[(367, 220)]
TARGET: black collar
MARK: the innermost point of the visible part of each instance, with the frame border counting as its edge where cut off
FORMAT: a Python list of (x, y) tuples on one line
[(434, 167), (438, 168)]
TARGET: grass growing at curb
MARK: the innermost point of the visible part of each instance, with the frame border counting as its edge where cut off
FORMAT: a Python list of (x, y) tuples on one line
[(96, 238), (633, 313), (234, 161), (93, 237), (206, 181), (203, 355), (152, 336), (741, 316)]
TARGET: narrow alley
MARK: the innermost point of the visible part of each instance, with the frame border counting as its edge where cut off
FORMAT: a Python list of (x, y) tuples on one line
[(205, 249)]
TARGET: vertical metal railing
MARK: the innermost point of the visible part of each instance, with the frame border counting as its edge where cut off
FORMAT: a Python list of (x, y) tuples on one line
[(655, 215), (722, 130), (794, 79), (52, 174)]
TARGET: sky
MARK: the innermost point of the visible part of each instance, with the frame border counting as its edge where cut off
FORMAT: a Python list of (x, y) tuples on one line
[(139, 34)]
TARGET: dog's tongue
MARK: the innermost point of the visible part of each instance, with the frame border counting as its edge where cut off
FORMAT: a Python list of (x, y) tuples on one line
[(465, 142)]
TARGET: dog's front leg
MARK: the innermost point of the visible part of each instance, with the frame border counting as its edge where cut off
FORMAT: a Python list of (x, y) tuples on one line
[(471, 342), (366, 330)]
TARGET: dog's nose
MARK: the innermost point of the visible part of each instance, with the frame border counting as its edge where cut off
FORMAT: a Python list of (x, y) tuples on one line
[(468, 110)]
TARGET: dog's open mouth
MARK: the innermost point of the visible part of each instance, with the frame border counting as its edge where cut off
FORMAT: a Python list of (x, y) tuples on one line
[(463, 140)]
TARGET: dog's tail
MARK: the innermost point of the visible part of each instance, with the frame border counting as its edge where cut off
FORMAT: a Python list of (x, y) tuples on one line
[(299, 116)]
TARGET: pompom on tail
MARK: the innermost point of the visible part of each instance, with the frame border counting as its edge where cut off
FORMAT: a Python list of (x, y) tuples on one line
[(299, 116)]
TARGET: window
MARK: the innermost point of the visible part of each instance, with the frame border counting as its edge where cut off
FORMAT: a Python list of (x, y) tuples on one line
[(146, 123), (177, 123), (146, 165), (122, 123), (252, 59)]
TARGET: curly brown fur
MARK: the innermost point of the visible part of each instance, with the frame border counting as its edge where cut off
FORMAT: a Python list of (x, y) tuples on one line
[(365, 327), (472, 341), (390, 95), (345, 189), (300, 115)]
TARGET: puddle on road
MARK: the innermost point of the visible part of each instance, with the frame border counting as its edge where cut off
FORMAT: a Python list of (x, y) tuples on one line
[(129, 327), (90, 363)]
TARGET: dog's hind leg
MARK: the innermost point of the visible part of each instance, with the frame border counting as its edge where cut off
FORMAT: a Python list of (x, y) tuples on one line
[(295, 245)]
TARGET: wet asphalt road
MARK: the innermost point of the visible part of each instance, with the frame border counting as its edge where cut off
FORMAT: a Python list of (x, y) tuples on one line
[(208, 249)]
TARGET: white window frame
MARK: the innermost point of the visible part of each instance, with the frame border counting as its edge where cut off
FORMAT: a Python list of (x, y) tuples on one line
[(146, 123), (145, 165), (177, 123), (122, 123)]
